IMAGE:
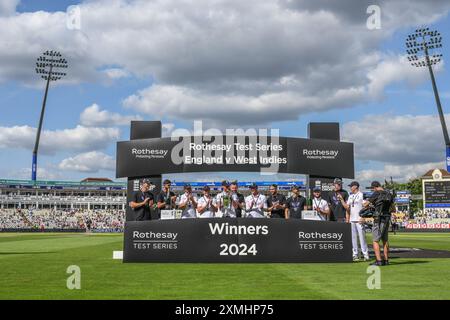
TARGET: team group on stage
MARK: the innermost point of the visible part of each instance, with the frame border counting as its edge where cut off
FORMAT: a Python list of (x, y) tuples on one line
[(337, 206), (227, 203)]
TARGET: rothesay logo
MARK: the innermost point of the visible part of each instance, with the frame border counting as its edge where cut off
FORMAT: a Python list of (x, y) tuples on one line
[(317, 154), (149, 153)]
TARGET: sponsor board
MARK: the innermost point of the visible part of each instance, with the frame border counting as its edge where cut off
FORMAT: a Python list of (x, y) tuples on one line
[(428, 226), (155, 156), (237, 240)]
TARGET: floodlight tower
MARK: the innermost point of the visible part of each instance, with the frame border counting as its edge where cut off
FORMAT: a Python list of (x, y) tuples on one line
[(48, 66), (421, 42)]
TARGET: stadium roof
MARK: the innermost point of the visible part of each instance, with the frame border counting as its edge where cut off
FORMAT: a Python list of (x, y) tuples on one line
[(241, 183), (60, 183), (96, 180)]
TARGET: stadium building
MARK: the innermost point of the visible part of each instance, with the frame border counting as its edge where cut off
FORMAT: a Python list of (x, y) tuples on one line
[(90, 193), (97, 193)]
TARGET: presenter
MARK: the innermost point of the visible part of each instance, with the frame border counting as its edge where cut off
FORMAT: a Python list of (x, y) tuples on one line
[(205, 208), (142, 201), (295, 204), (188, 203), (255, 203), (320, 205), (166, 198)]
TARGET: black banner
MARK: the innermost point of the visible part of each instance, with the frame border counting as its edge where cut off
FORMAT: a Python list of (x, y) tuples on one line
[(237, 240), (137, 158)]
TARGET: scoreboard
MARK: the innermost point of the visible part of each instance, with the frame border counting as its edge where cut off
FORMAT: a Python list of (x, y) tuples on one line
[(437, 193)]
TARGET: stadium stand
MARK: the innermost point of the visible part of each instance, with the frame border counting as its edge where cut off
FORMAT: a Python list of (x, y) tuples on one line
[(102, 220), (93, 204)]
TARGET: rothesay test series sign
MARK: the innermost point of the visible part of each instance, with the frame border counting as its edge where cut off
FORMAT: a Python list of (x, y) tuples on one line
[(155, 156)]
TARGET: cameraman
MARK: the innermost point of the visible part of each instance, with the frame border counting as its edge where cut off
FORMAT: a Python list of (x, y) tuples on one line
[(142, 201), (381, 200)]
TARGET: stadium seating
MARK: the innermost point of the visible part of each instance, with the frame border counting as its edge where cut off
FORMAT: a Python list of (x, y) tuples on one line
[(50, 219)]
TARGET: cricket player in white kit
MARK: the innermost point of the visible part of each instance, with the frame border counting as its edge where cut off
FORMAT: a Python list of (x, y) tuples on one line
[(222, 200), (320, 205), (353, 206), (188, 203), (255, 203), (205, 208)]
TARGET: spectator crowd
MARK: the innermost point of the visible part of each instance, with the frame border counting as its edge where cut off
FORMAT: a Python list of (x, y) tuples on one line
[(72, 219), (433, 215)]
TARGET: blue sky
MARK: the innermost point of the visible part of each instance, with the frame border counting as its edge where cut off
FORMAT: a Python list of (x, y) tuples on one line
[(151, 73)]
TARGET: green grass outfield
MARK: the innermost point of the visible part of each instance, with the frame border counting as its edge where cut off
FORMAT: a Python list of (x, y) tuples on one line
[(33, 266)]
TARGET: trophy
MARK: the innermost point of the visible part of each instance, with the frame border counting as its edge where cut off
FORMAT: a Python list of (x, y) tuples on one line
[(226, 201)]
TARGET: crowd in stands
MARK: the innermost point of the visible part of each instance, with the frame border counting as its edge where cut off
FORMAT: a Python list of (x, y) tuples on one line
[(113, 220), (72, 219), (433, 215), (401, 218)]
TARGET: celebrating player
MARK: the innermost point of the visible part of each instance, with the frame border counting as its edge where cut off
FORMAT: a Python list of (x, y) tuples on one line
[(320, 205), (255, 203), (188, 203), (166, 199), (295, 204), (221, 202), (205, 208)]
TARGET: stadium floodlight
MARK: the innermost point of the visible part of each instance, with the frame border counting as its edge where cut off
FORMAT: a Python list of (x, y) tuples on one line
[(421, 48), (50, 65)]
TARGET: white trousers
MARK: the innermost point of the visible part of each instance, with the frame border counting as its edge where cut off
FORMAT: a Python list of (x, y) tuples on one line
[(189, 213), (358, 232), (206, 214), (254, 214)]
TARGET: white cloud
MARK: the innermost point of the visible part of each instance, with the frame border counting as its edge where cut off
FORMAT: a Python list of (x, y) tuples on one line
[(399, 173), (239, 109), (287, 97), (394, 14), (116, 73), (43, 173), (213, 56), (167, 129), (93, 116), (404, 139), (394, 69), (91, 162), (8, 7), (78, 139)]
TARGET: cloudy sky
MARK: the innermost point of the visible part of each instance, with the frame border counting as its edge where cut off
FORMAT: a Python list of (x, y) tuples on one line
[(272, 63)]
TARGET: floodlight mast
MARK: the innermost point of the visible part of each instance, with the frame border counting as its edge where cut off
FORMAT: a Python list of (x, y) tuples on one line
[(45, 66), (426, 40)]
